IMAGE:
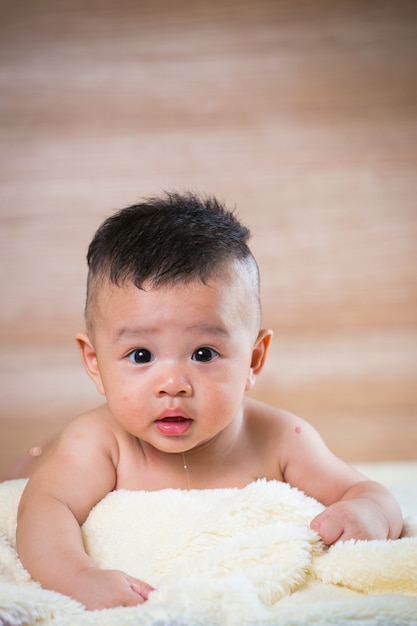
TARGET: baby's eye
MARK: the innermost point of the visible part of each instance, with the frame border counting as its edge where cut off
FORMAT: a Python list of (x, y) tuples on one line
[(204, 355), (141, 356)]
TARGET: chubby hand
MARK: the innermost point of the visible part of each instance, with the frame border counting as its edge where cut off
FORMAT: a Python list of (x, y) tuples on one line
[(359, 518), (102, 589)]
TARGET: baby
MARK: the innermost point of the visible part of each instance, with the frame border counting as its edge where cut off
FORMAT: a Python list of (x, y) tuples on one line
[(173, 341)]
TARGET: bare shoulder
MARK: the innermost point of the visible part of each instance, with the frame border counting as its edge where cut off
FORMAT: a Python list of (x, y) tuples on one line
[(92, 429), (98, 421), (285, 431), (270, 431), (84, 453), (264, 415), (92, 437), (302, 456)]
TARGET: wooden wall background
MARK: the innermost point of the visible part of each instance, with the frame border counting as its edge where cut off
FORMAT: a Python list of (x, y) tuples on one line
[(303, 114)]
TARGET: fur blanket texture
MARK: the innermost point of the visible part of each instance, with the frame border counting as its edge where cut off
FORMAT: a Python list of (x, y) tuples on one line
[(224, 557)]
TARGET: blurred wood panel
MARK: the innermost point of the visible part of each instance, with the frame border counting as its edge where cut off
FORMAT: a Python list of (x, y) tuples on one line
[(302, 114)]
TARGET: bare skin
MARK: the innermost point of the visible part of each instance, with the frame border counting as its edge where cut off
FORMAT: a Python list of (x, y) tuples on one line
[(174, 364)]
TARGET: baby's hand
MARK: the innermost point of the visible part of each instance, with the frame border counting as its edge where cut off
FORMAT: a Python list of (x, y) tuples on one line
[(359, 518), (101, 589)]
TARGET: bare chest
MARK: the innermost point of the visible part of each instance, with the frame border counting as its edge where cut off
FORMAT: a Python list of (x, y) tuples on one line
[(137, 471)]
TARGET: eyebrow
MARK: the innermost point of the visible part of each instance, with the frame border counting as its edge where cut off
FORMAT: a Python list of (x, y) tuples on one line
[(126, 333), (212, 329), (130, 333)]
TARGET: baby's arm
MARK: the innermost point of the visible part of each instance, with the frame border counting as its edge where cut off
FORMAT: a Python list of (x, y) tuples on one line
[(356, 507), (57, 500), (366, 511)]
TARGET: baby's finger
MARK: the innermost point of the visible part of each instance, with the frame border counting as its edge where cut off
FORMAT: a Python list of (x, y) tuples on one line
[(329, 528), (140, 588)]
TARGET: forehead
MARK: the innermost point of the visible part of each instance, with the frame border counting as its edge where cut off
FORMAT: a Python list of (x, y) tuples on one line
[(228, 298)]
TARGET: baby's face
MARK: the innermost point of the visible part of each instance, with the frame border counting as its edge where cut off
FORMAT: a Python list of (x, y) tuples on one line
[(175, 361)]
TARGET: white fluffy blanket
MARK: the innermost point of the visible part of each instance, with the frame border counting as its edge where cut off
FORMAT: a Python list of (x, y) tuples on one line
[(227, 557)]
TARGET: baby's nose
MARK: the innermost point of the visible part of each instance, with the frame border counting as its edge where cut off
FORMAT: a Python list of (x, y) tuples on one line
[(173, 384)]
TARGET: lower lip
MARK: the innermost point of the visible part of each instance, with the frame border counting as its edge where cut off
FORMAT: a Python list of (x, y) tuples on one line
[(173, 426)]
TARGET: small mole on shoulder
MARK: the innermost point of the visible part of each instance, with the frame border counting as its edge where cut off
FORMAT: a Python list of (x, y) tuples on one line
[(298, 429)]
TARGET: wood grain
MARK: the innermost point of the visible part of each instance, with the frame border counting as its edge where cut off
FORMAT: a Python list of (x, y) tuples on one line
[(302, 114)]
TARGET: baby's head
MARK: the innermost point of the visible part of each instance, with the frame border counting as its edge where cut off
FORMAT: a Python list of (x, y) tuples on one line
[(173, 319), (171, 240)]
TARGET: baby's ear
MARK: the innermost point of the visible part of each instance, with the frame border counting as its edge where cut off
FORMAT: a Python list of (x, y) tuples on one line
[(259, 353), (89, 359)]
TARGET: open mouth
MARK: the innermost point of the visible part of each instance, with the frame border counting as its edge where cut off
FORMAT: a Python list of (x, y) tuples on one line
[(173, 425)]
